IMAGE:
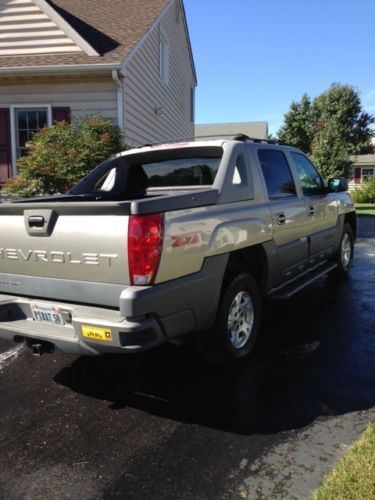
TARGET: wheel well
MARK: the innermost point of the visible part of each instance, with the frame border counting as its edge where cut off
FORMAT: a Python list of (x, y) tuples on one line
[(351, 218), (252, 260)]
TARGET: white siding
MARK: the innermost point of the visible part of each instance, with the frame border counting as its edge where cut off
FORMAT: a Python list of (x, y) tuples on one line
[(26, 29), (155, 111), (83, 97)]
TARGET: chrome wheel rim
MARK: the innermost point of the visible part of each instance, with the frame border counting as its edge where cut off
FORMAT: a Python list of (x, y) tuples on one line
[(346, 250), (240, 319)]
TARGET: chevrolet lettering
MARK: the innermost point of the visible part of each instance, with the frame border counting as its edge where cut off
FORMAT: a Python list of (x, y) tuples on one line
[(57, 257), (172, 240)]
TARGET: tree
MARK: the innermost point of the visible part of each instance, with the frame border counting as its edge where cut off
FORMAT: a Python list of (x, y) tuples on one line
[(330, 128), (298, 125), (61, 155)]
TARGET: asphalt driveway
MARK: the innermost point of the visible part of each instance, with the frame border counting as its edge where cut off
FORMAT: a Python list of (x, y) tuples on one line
[(164, 425)]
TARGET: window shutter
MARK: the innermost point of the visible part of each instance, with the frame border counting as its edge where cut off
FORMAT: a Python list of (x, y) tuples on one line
[(61, 115), (357, 175), (5, 146)]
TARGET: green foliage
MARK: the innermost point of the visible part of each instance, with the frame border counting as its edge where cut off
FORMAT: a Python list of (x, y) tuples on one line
[(298, 125), (61, 155), (330, 129), (330, 153), (366, 193)]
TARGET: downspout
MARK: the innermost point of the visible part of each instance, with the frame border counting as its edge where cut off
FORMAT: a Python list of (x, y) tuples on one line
[(118, 78)]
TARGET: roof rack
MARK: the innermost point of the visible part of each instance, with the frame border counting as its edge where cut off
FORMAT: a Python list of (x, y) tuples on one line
[(238, 137), (246, 138)]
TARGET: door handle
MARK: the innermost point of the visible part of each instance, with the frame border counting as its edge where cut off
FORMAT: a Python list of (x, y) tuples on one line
[(280, 218), (311, 211), (36, 221)]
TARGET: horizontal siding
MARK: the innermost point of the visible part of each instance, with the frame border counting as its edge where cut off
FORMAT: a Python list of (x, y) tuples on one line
[(26, 29), (88, 97), (144, 91)]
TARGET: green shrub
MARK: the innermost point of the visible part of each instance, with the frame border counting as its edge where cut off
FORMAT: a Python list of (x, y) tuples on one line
[(366, 193), (61, 155)]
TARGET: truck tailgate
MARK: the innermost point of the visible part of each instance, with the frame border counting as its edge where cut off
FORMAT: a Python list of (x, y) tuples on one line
[(48, 242)]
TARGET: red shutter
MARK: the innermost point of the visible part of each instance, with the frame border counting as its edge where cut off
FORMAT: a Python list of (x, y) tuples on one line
[(61, 115), (357, 175), (5, 147)]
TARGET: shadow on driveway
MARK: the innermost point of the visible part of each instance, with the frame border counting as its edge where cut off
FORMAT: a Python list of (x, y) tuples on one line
[(315, 357)]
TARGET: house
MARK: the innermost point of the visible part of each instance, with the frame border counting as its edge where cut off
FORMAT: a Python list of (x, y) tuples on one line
[(129, 60), (363, 168), (256, 130)]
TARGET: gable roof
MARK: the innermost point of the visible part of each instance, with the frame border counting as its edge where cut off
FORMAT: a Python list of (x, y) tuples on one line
[(111, 28)]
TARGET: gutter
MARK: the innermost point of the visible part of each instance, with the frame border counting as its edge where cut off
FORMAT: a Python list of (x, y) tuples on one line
[(118, 78), (62, 68)]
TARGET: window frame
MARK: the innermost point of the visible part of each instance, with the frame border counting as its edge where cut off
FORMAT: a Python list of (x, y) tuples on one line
[(13, 124), (367, 176)]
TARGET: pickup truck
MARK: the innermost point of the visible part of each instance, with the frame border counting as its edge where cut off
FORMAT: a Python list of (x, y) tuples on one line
[(167, 240)]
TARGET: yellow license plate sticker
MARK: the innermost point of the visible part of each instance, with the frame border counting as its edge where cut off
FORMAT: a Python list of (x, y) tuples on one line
[(96, 333)]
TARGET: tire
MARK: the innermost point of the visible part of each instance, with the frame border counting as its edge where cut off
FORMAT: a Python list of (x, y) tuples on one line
[(234, 333), (345, 253)]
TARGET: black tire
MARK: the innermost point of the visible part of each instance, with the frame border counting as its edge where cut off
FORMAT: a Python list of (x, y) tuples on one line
[(345, 253), (240, 305)]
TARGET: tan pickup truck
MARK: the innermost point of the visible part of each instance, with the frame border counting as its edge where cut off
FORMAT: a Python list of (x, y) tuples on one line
[(168, 240)]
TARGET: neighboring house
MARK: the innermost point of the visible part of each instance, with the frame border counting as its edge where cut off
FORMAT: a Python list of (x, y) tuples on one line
[(256, 130), (363, 168), (129, 60)]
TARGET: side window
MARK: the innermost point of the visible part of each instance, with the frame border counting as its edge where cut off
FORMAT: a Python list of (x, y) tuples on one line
[(276, 172), (311, 181)]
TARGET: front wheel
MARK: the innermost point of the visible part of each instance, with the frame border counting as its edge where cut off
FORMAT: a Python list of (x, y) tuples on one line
[(233, 335), (345, 253)]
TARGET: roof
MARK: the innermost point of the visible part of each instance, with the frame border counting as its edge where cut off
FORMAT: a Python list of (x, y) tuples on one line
[(363, 160), (257, 130), (111, 27)]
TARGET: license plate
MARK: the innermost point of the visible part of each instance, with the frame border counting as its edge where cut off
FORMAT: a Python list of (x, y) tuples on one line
[(47, 314), (97, 333)]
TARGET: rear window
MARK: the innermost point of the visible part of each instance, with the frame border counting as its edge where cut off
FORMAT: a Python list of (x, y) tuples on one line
[(131, 176), (182, 172)]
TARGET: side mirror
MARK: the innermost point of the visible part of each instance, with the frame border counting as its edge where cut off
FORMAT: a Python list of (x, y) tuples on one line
[(337, 185)]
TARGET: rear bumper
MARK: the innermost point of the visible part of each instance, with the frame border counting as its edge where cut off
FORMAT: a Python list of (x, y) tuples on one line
[(146, 317), (16, 320)]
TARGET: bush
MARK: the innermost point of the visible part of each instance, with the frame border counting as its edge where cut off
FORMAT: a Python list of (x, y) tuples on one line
[(61, 155), (366, 193)]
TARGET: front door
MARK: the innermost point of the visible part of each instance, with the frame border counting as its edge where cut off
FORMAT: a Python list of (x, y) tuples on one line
[(322, 210), (289, 217)]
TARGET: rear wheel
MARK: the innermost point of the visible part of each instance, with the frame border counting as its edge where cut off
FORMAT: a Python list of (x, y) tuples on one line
[(345, 253), (233, 335)]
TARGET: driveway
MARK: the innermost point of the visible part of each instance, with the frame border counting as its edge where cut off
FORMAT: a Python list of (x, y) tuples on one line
[(163, 425)]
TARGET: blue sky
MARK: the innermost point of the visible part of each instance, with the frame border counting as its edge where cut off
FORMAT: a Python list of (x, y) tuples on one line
[(253, 58)]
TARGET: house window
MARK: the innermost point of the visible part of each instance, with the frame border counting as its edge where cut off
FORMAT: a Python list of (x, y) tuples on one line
[(164, 59), (368, 173), (27, 122)]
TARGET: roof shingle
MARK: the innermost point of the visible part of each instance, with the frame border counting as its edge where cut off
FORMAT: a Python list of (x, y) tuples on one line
[(111, 27)]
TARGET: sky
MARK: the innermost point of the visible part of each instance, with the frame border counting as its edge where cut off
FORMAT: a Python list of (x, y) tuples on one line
[(253, 58)]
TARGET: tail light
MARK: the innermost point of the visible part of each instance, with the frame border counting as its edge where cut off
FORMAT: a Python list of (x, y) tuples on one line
[(145, 240)]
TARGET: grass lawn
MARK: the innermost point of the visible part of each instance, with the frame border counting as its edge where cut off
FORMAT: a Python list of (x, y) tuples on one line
[(353, 477), (367, 209)]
